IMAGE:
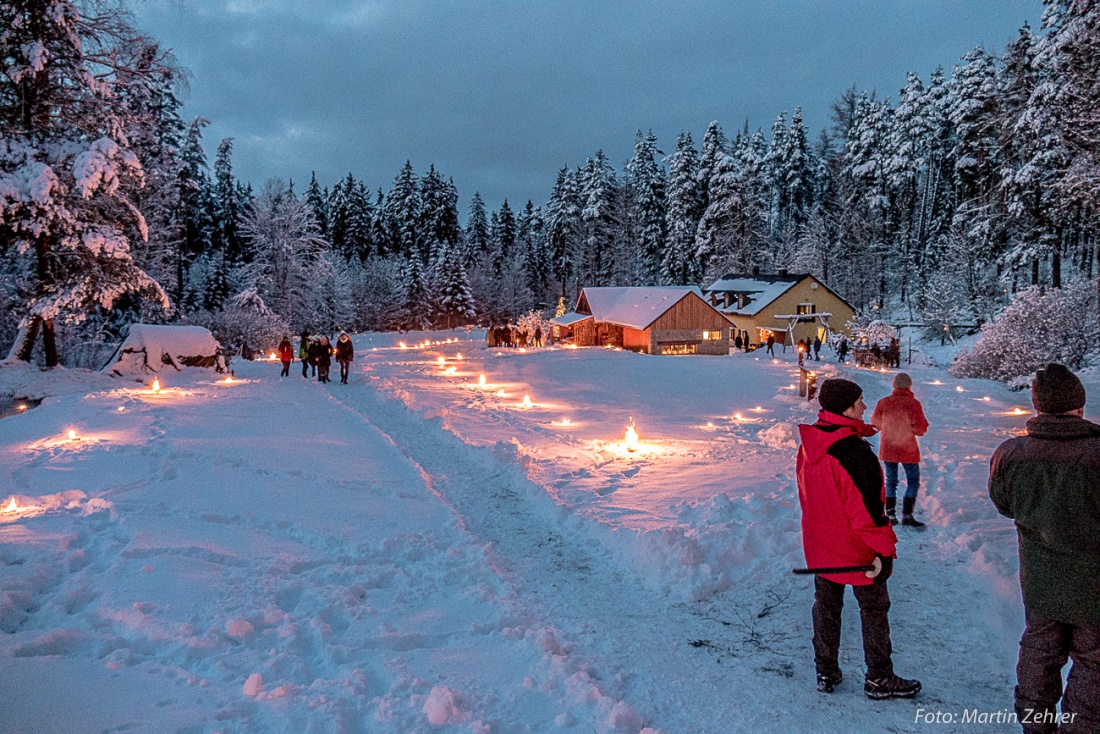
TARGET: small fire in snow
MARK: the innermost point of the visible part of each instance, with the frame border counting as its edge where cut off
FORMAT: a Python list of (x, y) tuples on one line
[(527, 402), (403, 345), (442, 360), (935, 382), (959, 388), (738, 417), (631, 438), (565, 421), (272, 357), (121, 408), (757, 409), (156, 386), (1018, 411), (458, 356), (11, 506), (450, 370), (22, 407), (500, 393), (228, 380), (73, 436), (481, 380)]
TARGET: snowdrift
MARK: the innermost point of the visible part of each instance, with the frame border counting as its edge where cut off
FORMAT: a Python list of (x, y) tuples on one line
[(147, 348)]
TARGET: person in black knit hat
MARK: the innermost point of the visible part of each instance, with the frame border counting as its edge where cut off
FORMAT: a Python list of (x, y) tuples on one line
[(1046, 482), (842, 495)]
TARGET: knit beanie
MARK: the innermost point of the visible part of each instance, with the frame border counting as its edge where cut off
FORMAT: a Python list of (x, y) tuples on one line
[(902, 381), (838, 395), (1056, 390)]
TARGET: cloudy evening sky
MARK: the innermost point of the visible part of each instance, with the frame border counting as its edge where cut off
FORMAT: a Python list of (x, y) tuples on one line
[(500, 94)]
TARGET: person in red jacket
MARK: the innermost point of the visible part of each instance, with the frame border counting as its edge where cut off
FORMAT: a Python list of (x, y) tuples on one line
[(841, 493), (286, 355), (900, 419)]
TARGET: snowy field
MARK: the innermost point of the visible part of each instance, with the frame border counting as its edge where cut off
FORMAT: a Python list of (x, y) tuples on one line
[(416, 552)]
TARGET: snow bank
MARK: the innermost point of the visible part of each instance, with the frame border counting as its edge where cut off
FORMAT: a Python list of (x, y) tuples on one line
[(147, 347)]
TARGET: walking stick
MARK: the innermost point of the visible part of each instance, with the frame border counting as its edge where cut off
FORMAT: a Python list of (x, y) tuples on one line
[(871, 569)]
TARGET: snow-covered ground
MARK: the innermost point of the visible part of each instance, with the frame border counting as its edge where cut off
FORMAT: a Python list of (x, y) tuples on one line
[(416, 552)]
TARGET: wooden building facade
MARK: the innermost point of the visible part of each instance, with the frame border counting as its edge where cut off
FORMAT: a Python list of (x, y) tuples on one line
[(657, 320)]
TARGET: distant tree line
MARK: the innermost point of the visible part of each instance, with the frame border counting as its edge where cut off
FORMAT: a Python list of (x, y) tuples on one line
[(935, 207)]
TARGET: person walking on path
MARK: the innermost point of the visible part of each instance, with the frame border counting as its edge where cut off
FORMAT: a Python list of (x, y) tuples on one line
[(842, 350), (1046, 482), (324, 359), (899, 418), (817, 348), (771, 344), (345, 353), (303, 354), (841, 494), (286, 355)]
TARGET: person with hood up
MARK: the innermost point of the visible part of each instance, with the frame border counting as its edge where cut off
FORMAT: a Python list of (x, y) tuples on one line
[(303, 354), (841, 493), (320, 353), (345, 353), (1046, 482), (286, 356), (899, 418)]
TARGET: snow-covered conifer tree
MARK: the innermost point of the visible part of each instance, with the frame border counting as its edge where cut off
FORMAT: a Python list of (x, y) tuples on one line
[(685, 208), (563, 227), (648, 202)]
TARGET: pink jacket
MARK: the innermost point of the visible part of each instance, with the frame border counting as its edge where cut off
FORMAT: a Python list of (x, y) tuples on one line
[(899, 419)]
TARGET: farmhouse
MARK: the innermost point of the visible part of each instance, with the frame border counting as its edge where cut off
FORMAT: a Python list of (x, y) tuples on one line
[(651, 320), (790, 307)]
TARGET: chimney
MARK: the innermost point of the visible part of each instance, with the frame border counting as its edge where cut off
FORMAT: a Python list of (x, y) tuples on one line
[(782, 272)]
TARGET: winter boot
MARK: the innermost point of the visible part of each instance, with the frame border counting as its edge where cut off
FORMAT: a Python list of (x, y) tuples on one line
[(891, 686), (891, 509), (907, 518), (827, 683)]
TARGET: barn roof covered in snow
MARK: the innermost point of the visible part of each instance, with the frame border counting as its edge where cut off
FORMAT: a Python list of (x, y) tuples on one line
[(636, 307), (757, 290), (568, 319)]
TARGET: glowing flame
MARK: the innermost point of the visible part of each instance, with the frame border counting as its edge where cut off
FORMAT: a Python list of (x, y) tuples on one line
[(403, 345), (523, 349), (450, 370), (22, 407), (11, 507), (757, 409), (458, 356), (738, 417), (775, 361), (572, 346), (935, 382), (959, 388), (527, 402), (121, 408), (156, 385), (710, 425), (631, 438), (442, 360), (565, 421), (500, 393), (272, 357), (481, 380), (228, 380), (1018, 411), (986, 398), (882, 369), (73, 436)]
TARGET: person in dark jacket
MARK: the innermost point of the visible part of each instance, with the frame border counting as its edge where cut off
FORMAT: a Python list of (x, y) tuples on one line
[(286, 355), (304, 355), (842, 350), (1046, 482), (345, 353), (817, 348), (771, 344), (841, 493), (320, 355)]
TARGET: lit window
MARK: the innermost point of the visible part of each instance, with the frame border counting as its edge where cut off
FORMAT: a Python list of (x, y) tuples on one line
[(712, 336), (807, 308), (677, 349)]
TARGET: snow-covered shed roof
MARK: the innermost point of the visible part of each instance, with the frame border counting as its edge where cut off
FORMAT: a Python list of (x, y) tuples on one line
[(759, 290), (568, 319), (636, 307), (147, 347)]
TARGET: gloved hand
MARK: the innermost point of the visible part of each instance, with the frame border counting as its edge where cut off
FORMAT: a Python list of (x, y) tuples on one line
[(887, 569)]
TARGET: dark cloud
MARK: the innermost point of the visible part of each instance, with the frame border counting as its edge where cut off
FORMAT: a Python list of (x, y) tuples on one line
[(500, 94)]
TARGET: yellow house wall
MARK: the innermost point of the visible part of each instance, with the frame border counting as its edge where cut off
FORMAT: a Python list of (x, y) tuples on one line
[(788, 303)]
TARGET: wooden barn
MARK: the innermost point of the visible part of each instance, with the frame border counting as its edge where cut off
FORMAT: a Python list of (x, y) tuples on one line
[(651, 320), (790, 307)]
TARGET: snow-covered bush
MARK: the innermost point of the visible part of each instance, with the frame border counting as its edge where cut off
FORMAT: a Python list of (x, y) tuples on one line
[(867, 333), (533, 320), (246, 325), (1039, 326)]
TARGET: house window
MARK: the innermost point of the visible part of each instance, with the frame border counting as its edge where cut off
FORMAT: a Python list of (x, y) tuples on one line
[(807, 308), (677, 349), (712, 336)]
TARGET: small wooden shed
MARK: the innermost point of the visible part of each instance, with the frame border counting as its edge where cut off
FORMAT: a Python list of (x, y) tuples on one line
[(651, 320)]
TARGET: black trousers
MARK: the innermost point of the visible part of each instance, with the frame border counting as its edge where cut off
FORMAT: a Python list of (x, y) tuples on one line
[(874, 608), (1045, 648), (305, 367), (345, 367), (286, 369), (322, 372)]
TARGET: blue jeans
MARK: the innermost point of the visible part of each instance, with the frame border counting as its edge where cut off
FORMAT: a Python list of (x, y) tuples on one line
[(912, 479)]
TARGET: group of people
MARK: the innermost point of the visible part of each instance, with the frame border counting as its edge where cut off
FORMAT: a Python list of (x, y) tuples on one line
[(316, 353), (1044, 480), (513, 336)]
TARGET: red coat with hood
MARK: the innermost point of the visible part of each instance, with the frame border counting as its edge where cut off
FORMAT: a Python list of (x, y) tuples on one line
[(900, 418), (842, 495)]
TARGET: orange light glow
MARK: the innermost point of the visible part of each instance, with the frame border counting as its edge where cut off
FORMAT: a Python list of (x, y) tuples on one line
[(73, 436), (481, 380), (1017, 411), (564, 422), (738, 417), (11, 506), (757, 409), (272, 357), (121, 408), (959, 388), (526, 402), (22, 407), (500, 393), (450, 370), (156, 386), (572, 346), (403, 345), (458, 356), (631, 438), (935, 382)]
